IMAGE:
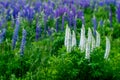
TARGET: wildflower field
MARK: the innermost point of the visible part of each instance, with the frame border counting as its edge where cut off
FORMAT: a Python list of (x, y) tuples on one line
[(59, 39)]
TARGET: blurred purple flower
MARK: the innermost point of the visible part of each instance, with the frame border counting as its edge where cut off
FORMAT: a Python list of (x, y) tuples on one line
[(84, 3), (63, 22), (80, 14)]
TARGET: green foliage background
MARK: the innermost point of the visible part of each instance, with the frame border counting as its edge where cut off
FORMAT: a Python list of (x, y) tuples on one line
[(47, 59)]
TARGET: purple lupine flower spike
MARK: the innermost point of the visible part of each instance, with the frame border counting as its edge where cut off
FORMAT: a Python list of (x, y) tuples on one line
[(2, 35), (63, 22), (118, 13), (45, 23), (94, 24), (23, 42), (75, 22), (15, 34), (38, 32), (57, 24)]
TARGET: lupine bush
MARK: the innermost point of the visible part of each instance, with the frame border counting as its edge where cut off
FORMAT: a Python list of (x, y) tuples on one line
[(59, 40)]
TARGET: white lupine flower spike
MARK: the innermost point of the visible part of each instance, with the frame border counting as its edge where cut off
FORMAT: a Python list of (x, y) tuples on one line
[(66, 35), (97, 39), (87, 54), (82, 39), (73, 39), (68, 39), (107, 48)]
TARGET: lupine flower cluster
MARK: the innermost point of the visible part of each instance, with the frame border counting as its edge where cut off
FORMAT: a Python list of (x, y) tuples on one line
[(87, 44)]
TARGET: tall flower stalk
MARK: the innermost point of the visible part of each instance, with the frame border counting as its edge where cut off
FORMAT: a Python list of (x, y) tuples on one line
[(68, 39), (15, 34), (94, 21), (118, 13), (74, 43), (38, 32), (107, 51), (23, 42), (87, 54), (82, 39), (97, 39)]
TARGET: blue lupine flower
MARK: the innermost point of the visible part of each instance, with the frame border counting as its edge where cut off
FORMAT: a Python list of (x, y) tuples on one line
[(2, 35), (84, 3), (118, 13), (71, 17), (75, 22), (16, 10), (23, 42), (101, 3), (15, 34), (37, 6), (38, 32), (80, 14), (94, 21)]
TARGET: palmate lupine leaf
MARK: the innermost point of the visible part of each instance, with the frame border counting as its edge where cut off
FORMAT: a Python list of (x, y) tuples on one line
[(107, 51), (97, 39), (82, 39), (74, 43)]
